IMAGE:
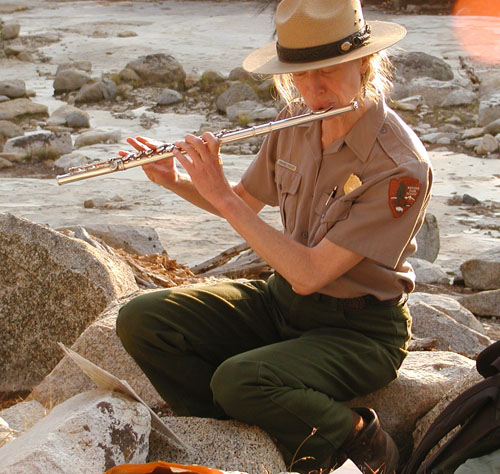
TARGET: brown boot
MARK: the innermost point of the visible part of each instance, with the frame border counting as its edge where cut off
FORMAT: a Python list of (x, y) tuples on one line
[(372, 449)]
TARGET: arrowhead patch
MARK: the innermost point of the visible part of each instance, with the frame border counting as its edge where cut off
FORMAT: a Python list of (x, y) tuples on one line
[(403, 193)]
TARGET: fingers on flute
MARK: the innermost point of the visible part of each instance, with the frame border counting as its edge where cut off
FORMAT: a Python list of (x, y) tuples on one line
[(212, 142)]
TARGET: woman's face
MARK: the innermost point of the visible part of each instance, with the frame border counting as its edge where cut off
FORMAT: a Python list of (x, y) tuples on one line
[(333, 86)]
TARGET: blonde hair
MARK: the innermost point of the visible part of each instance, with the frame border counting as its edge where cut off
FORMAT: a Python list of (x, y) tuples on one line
[(376, 82)]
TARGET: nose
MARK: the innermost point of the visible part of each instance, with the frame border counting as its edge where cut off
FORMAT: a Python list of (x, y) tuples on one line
[(316, 83)]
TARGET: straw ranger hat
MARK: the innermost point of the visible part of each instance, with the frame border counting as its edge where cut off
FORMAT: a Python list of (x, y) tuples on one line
[(313, 34)]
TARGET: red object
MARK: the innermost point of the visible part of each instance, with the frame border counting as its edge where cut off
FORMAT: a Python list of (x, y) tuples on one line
[(403, 193)]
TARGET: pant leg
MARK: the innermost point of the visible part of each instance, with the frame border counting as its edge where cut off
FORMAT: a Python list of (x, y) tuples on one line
[(291, 387), (178, 337)]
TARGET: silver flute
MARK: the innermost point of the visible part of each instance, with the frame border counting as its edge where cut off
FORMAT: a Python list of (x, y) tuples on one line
[(164, 151)]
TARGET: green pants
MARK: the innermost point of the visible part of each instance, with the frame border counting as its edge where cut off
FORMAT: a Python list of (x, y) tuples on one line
[(258, 352)]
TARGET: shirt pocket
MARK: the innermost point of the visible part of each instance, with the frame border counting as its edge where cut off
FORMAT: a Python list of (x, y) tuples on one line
[(328, 215), (288, 183)]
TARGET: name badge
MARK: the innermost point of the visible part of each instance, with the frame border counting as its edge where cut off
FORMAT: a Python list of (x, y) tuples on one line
[(288, 166)]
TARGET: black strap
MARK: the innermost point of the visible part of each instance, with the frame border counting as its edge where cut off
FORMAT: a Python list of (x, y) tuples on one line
[(485, 395), (324, 51)]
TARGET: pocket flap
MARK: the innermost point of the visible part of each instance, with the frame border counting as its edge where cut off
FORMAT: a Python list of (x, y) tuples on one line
[(288, 181)]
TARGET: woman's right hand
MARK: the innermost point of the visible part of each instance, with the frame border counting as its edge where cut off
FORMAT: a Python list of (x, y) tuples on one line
[(163, 172)]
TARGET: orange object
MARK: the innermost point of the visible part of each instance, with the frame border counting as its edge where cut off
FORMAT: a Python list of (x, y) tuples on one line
[(161, 467)]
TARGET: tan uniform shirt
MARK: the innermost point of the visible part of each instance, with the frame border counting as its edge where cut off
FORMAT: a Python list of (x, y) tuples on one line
[(382, 177)]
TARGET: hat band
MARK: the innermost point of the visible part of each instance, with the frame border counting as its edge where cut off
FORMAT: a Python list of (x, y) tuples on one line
[(324, 51)]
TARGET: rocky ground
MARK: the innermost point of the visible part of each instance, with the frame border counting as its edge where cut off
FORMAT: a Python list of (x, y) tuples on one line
[(454, 117)]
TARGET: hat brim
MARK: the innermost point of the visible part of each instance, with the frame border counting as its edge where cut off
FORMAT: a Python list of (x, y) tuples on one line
[(265, 60)]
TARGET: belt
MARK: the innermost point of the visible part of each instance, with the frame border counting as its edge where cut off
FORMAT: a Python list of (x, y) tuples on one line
[(360, 302)]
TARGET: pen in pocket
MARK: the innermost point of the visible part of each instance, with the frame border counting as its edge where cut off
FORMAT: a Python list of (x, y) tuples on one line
[(331, 195)]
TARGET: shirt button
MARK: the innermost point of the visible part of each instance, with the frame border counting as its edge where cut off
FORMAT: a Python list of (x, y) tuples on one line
[(322, 216), (383, 130), (305, 235)]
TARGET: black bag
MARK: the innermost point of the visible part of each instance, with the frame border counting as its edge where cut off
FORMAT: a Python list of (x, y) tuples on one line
[(477, 411)]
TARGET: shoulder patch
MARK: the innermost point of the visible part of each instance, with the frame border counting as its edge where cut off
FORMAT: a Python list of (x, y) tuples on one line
[(403, 193)]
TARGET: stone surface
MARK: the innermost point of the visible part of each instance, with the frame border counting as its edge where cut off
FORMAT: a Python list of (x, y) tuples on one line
[(484, 303), (53, 287), (236, 93), (483, 272), (424, 378), (70, 80), (141, 240), (488, 144), (40, 145), (10, 30), (4, 163), (22, 416), (432, 90), (96, 92), (459, 97), (99, 344), (71, 160), (250, 110), (449, 306), (226, 445), (493, 128), (82, 65), (13, 89), (428, 242), (71, 116), (19, 108), (158, 69), (489, 109), (93, 137), (427, 272), (411, 65), (87, 434), (429, 322), (9, 130), (170, 96)]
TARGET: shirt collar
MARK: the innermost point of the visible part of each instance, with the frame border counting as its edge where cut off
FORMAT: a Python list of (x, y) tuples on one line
[(359, 139), (362, 136)]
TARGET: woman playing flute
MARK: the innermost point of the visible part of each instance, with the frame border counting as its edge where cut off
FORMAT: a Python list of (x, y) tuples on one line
[(331, 323)]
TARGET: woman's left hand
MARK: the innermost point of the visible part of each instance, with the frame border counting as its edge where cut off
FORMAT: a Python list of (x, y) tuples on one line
[(203, 163)]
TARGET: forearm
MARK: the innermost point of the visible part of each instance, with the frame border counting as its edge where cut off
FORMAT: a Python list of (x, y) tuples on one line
[(184, 188)]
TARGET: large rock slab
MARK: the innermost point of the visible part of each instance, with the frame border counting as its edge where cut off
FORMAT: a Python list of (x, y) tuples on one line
[(489, 109), (99, 344), (13, 89), (446, 332), (451, 307), (40, 145), (483, 272), (424, 378), (87, 434), (19, 108), (484, 303), (227, 445), (428, 243), (427, 272), (140, 240), (411, 65), (22, 416), (157, 69), (53, 287)]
